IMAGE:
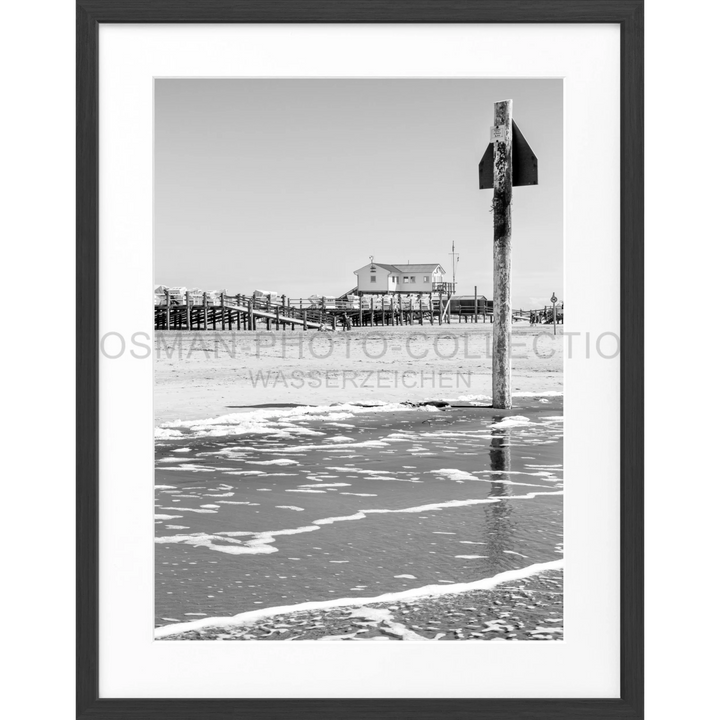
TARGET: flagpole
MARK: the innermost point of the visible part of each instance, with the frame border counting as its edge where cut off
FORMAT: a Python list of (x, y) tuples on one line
[(454, 261)]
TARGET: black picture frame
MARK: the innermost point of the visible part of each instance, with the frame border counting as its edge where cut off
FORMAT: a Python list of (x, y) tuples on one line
[(628, 14)]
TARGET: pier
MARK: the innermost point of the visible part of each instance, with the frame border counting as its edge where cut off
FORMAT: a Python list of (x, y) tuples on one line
[(180, 309)]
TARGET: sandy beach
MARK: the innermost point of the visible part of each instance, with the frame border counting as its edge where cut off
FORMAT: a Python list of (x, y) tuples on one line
[(207, 374)]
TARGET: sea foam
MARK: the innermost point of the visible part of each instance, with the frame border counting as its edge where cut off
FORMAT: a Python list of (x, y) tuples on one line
[(421, 592)]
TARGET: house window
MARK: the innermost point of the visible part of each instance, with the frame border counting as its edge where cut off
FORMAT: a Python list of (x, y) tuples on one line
[(408, 279), (373, 278), (394, 278), (426, 278)]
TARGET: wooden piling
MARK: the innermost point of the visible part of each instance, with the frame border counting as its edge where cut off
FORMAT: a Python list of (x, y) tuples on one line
[(502, 243)]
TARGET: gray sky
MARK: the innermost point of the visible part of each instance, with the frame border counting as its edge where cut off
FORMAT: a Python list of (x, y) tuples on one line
[(290, 185)]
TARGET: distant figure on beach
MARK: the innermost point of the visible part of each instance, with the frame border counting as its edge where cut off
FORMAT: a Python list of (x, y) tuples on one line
[(346, 322)]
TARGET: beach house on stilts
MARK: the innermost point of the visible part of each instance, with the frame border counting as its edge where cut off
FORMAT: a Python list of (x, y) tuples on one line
[(383, 278)]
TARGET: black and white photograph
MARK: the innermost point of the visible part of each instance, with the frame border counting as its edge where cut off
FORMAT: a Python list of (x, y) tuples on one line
[(392, 266), (358, 359)]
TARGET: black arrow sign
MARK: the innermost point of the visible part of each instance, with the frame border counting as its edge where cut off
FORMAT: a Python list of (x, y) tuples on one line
[(524, 162)]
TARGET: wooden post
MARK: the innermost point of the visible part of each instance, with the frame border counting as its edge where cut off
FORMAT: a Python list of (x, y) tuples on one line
[(553, 300), (372, 311), (222, 310), (167, 310), (277, 318), (392, 310), (250, 314), (476, 306), (432, 309), (502, 244), (304, 316), (204, 311)]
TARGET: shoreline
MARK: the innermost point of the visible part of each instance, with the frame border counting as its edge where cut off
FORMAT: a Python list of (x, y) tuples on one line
[(519, 607), (271, 412)]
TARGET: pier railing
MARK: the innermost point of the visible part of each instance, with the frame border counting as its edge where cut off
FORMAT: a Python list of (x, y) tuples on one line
[(179, 308)]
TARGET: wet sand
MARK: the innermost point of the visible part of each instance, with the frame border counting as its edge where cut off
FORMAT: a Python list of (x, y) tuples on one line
[(531, 609)]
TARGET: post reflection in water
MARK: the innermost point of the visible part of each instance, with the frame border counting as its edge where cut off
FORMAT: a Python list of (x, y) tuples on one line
[(499, 514)]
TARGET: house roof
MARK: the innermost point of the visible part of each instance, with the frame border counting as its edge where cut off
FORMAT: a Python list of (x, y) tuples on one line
[(407, 268), (421, 267)]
